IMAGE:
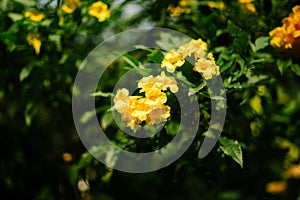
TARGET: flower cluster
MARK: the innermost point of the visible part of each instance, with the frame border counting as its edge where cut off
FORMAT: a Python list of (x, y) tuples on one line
[(151, 108), (205, 62), (183, 7), (286, 35), (97, 9)]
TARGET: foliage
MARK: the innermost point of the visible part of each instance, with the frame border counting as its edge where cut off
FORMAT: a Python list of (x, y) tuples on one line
[(42, 47)]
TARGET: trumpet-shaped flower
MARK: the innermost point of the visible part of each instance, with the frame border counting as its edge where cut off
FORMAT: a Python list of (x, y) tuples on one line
[(286, 35), (100, 11), (34, 40), (70, 5), (34, 15)]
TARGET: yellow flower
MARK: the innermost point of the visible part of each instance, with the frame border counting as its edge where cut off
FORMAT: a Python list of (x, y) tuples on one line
[(198, 47), (217, 4), (158, 114), (276, 187), (287, 35), (206, 67), (172, 60), (121, 100), (161, 82), (175, 11), (34, 15), (248, 4), (255, 104), (34, 40), (151, 108), (70, 6), (183, 7), (293, 172), (100, 11)]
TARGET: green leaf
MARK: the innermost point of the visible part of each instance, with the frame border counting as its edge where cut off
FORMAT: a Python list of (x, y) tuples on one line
[(15, 16), (131, 60), (28, 3), (232, 148), (283, 64), (296, 68), (155, 56), (4, 5), (87, 116), (106, 119), (241, 38), (172, 128), (233, 29), (25, 72), (261, 43)]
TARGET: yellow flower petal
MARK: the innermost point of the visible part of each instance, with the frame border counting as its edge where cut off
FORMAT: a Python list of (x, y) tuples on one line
[(34, 15), (34, 40)]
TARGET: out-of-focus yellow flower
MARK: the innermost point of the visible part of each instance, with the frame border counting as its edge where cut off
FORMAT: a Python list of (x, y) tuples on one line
[(151, 108), (100, 11), (289, 33), (276, 187), (34, 15), (172, 60), (183, 7), (255, 104), (248, 5), (70, 5), (217, 4), (175, 11), (34, 40), (293, 172), (67, 157)]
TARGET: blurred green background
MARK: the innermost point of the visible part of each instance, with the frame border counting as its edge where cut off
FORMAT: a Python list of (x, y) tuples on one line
[(42, 156)]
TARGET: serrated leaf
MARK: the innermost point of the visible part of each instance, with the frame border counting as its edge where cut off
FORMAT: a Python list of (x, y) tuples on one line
[(155, 56), (106, 120), (232, 148)]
